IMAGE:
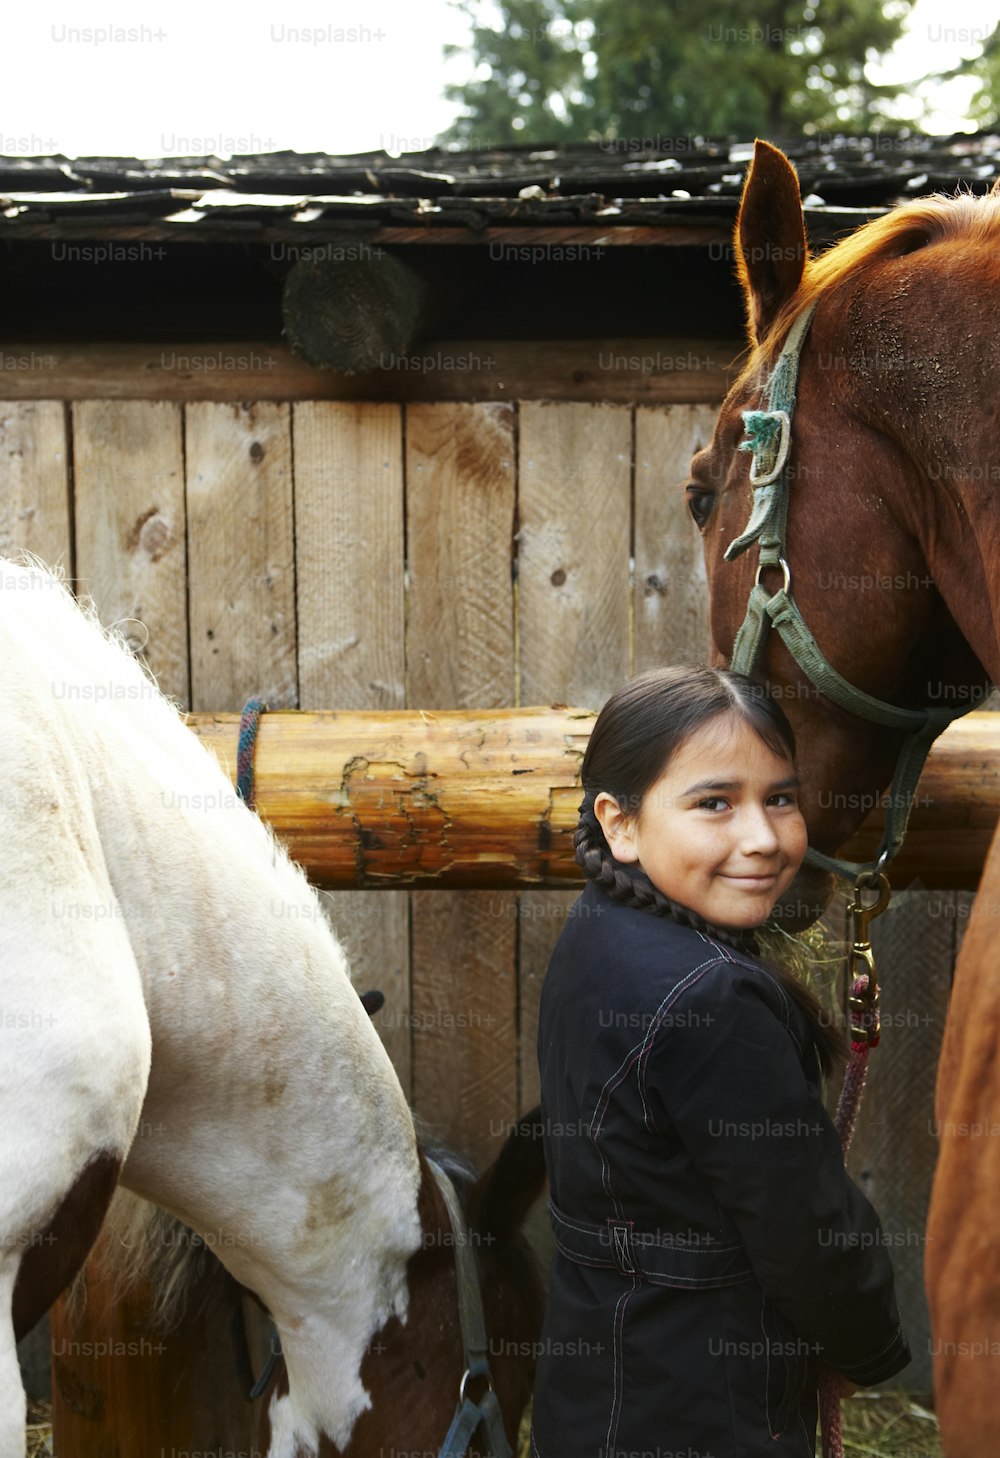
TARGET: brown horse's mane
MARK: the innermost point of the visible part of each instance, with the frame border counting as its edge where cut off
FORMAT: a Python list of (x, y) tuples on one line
[(907, 229)]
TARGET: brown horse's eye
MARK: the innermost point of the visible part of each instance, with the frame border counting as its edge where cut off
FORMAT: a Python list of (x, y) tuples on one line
[(700, 503)]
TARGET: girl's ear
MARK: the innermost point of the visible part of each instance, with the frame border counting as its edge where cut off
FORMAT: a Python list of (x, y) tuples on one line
[(619, 829)]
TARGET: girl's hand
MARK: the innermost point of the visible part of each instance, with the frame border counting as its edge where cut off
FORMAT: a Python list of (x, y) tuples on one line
[(847, 1389)]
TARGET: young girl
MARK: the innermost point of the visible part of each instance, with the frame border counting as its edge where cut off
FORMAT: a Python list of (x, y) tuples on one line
[(709, 1246)]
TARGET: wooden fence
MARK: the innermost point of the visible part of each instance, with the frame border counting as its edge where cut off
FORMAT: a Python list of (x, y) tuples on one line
[(337, 554), (341, 555)]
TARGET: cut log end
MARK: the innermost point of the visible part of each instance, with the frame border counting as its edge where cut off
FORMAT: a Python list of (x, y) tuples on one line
[(355, 315)]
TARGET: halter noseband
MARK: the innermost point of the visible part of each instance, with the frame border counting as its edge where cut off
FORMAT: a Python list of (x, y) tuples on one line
[(769, 439)]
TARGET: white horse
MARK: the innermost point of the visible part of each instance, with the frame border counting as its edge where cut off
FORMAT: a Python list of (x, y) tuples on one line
[(161, 957)]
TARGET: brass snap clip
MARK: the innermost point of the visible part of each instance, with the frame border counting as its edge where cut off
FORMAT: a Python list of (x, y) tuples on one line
[(863, 981)]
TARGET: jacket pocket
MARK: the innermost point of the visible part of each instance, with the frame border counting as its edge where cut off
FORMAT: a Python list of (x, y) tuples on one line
[(786, 1367)]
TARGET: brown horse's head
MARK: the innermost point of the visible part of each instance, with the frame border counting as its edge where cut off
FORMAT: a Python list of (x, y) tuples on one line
[(891, 530), (412, 1371)]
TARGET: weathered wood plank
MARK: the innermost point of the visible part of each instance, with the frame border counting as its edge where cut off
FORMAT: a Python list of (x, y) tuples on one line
[(130, 518), (671, 591), (573, 557), (573, 595), (464, 1018), (34, 481), (241, 554), (460, 517), (349, 518), (660, 370), (460, 653)]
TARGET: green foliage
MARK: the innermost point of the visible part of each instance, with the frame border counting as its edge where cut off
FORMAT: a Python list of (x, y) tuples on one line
[(985, 109), (603, 70)]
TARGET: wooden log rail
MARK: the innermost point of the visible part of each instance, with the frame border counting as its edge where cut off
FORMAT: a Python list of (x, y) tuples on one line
[(489, 799)]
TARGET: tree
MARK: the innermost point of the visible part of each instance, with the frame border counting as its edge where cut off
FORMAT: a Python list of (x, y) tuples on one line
[(602, 70), (985, 108)]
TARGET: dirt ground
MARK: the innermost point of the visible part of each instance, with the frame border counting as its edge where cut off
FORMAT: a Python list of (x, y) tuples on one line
[(876, 1425)]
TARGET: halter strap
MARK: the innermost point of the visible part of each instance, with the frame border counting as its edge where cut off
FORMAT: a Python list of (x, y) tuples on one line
[(486, 1413), (769, 441)]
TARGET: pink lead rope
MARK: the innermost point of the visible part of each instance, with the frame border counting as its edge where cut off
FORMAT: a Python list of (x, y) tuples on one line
[(865, 1032), (846, 1117)]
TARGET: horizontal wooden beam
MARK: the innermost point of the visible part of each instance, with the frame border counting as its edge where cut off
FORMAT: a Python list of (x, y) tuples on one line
[(489, 800), (409, 798), (654, 371), (304, 238)]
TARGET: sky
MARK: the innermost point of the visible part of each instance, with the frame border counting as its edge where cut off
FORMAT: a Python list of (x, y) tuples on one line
[(126, 78)]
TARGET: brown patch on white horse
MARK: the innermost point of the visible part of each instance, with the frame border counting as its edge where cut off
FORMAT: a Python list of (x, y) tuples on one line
[(58, 1250)]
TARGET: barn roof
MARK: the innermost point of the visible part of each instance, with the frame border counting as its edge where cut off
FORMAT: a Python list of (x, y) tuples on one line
[(662, 182)]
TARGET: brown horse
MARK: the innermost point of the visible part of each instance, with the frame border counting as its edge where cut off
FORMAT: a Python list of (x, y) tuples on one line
[(893, 552), (413, 1373)]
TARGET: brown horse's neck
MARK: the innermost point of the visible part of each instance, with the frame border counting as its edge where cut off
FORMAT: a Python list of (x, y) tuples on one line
[(921, 379), (955, 516)]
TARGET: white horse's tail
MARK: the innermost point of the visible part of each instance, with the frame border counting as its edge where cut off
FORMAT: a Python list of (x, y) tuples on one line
[(141, 1244)]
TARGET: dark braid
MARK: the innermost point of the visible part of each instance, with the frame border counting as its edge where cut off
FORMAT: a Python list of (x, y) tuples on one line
[(634, 888)]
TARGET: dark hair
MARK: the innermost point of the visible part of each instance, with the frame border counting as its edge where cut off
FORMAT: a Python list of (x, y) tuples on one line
[(636, 734)]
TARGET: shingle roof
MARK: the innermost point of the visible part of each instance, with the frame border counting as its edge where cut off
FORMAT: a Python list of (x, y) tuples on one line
[(678, 182)]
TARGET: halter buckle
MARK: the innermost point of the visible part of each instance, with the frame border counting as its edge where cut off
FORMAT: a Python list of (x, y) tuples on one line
[(784, 444)]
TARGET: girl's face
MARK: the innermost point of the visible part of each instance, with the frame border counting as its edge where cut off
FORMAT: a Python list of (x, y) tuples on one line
[(720, 831)]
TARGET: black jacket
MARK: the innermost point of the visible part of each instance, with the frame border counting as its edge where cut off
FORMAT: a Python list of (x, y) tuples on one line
[(710, 1246)]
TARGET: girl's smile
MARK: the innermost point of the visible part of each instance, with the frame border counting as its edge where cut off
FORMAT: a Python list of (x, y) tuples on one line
[(720, 831)]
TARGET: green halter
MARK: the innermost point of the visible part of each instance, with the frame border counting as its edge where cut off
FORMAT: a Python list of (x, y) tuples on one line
[(769, 439)]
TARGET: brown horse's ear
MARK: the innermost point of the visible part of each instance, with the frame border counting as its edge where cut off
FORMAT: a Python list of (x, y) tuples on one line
[(771, 247)]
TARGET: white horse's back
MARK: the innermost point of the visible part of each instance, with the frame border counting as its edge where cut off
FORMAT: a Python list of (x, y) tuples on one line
[(141, 897)]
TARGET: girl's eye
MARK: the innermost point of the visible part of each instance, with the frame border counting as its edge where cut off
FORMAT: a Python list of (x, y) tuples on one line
[(783, 798), (712, 803)]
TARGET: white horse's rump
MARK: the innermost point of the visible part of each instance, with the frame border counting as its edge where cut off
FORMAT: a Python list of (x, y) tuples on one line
[(140, 898)]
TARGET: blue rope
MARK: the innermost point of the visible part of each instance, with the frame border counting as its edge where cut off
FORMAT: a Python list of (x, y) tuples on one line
[(249, 724)]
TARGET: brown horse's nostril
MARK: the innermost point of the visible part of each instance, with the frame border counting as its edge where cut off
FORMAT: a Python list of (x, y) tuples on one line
[(419, 1370)]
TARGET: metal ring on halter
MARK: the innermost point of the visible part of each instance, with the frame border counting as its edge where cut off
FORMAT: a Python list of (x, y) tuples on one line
[(870, 878), (465, 1377), (786, 571)]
